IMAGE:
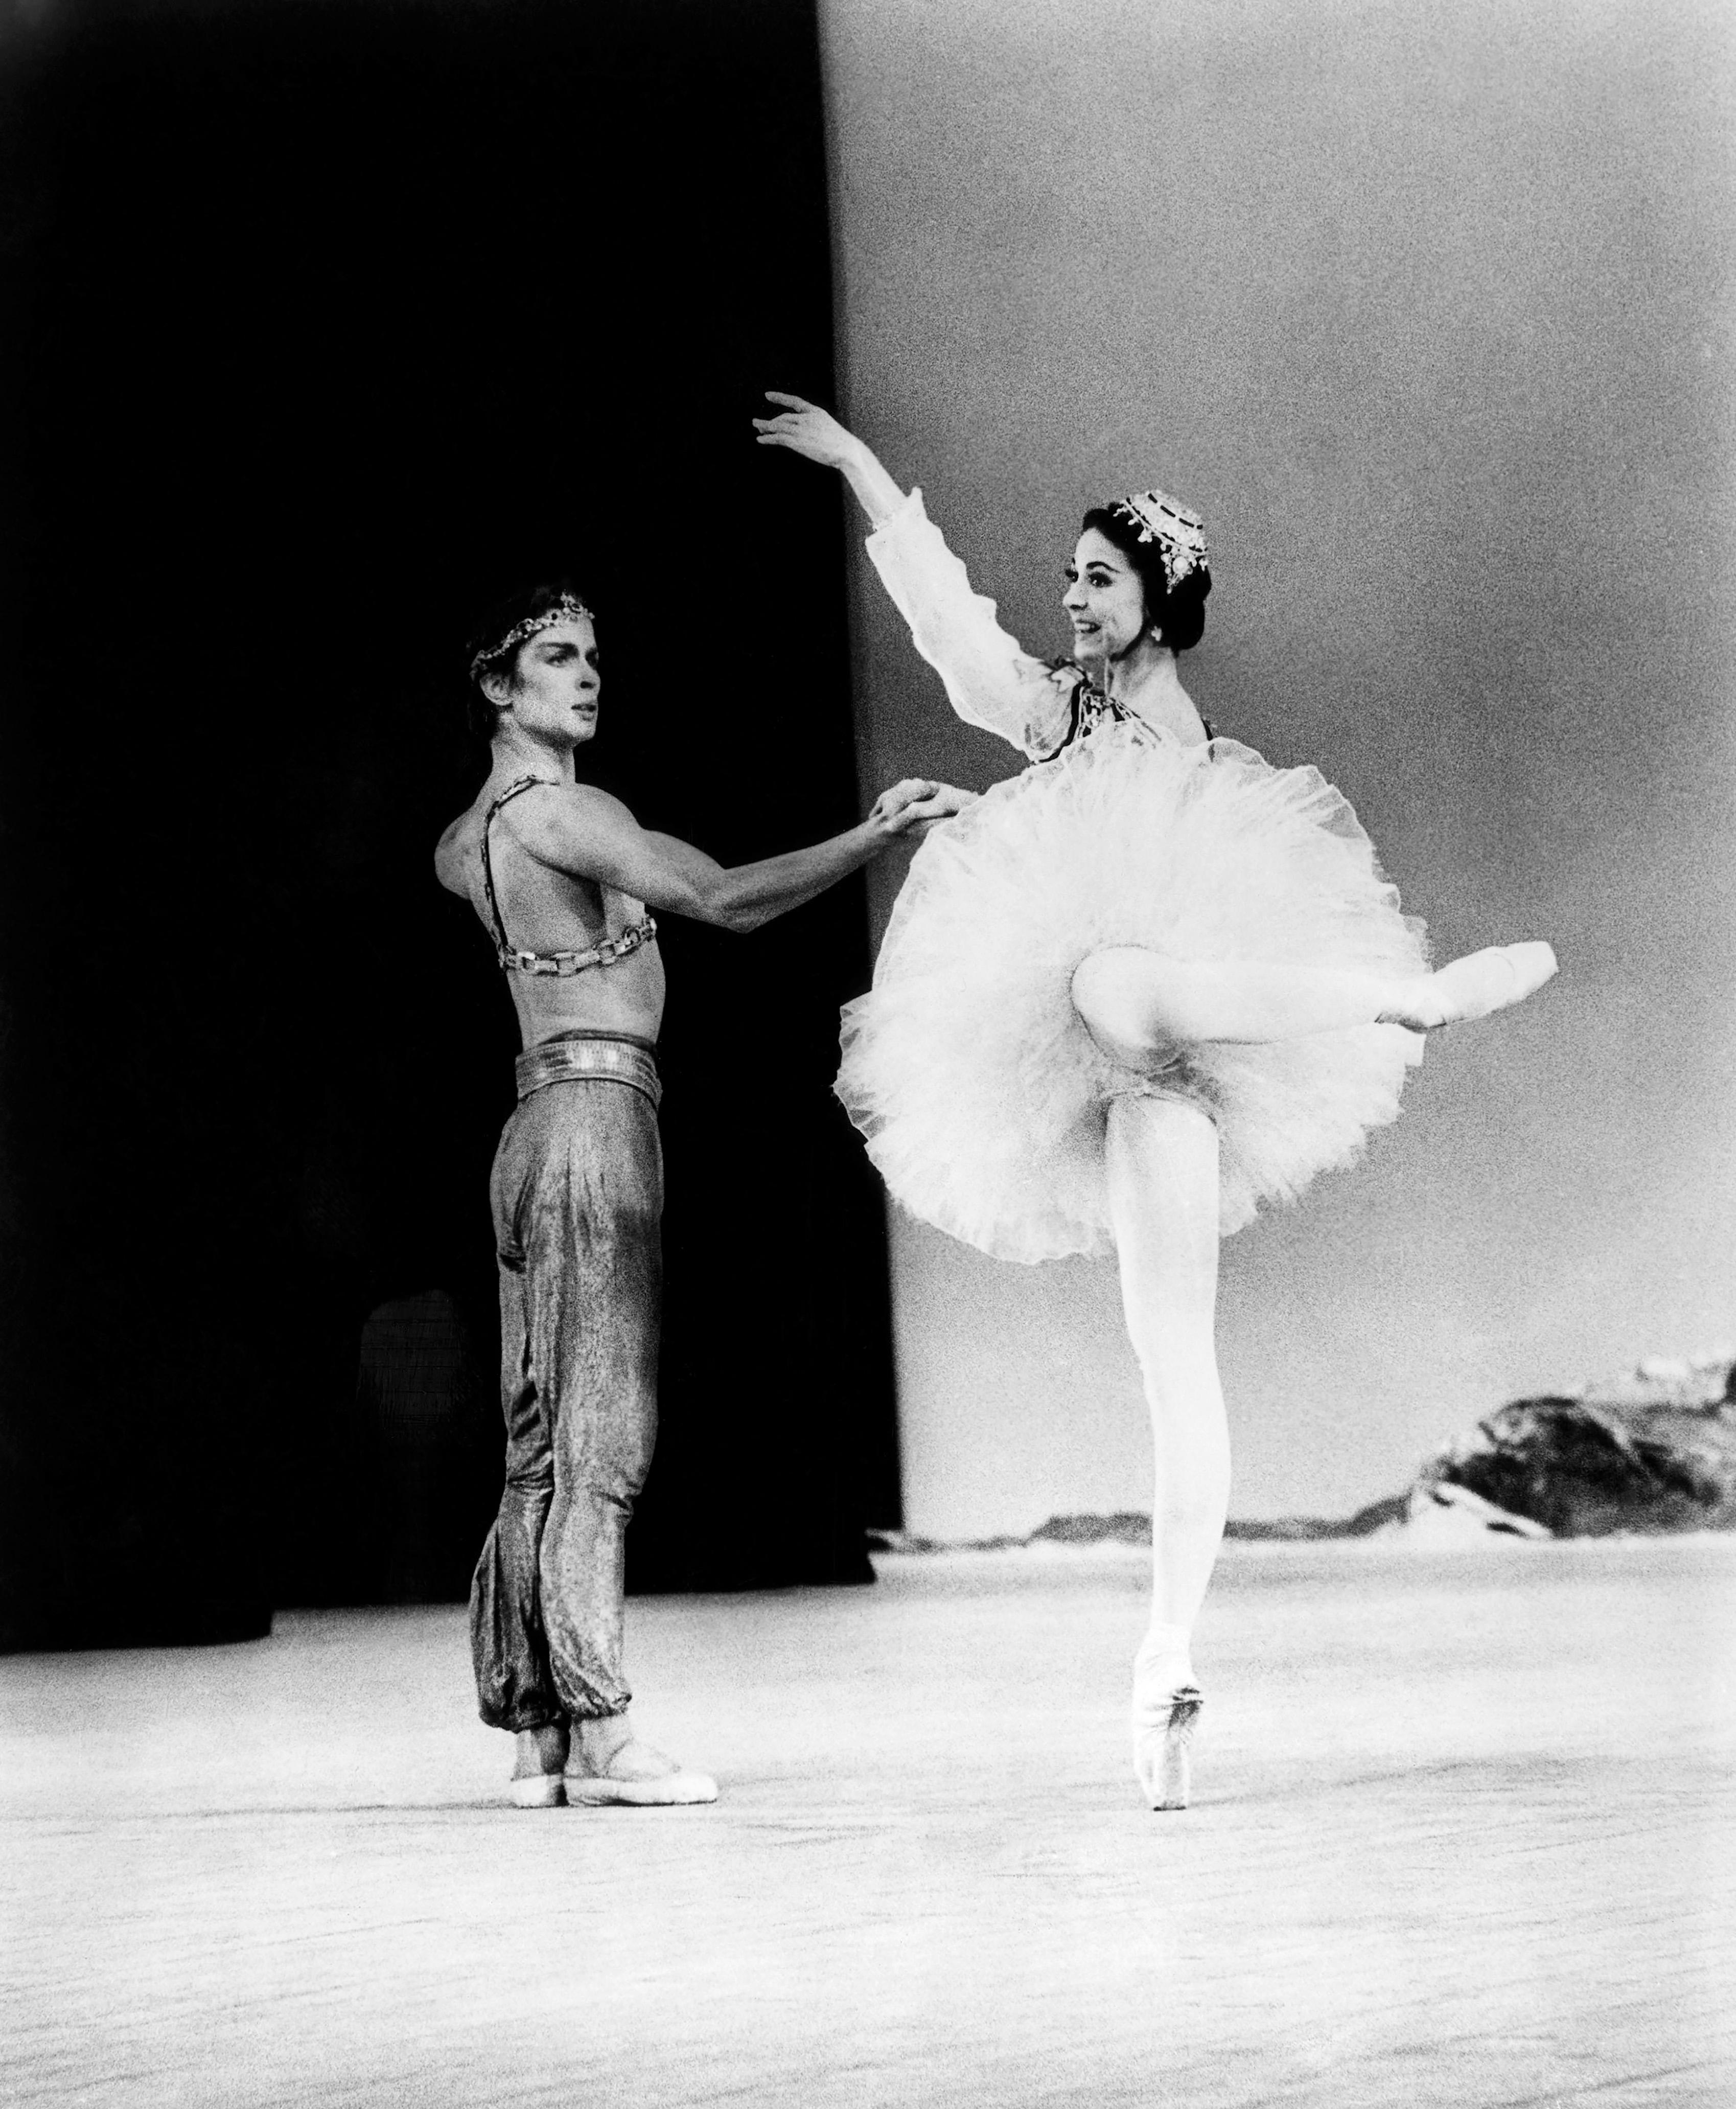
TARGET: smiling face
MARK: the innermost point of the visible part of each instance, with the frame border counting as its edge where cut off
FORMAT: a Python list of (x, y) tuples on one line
[(554, 690), (1104, 600)]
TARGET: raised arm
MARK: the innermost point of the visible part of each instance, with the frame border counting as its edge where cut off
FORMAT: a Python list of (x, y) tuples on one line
[(990, 680), (807, 430), (585, 832)]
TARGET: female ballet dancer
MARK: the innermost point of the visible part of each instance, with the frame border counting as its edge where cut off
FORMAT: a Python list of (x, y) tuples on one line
[(1131, 992)]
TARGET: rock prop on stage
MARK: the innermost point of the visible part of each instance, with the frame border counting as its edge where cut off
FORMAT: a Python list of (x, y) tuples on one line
[(1653, 1452)]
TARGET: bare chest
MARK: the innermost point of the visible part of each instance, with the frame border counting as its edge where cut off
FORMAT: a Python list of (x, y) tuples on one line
[(527, 905)]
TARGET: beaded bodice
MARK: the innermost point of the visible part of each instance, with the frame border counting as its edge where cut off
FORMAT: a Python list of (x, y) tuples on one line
[(1091, 707)]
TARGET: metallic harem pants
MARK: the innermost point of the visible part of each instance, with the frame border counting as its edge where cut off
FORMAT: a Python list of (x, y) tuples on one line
[(577, 1193)]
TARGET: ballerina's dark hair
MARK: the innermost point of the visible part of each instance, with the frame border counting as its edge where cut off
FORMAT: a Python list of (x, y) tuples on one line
[(1178, 611), (494, 644)]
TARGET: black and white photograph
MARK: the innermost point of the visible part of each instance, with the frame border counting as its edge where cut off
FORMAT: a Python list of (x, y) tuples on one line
[(868, 1054)]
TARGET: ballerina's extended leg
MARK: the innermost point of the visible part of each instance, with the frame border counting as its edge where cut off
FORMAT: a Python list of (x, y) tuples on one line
[(1163, 1200), (1473, 986), (1136, 1002)]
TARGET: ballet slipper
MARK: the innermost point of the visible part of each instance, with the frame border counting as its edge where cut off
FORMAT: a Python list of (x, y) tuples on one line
[(537, 1790), (633, 1775), (609, 1766), (536, 1775), (1166, 1703), (1474, 987)]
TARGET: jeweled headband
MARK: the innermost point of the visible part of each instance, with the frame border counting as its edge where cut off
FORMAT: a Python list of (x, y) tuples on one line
[(568, 608), (1179, 533)]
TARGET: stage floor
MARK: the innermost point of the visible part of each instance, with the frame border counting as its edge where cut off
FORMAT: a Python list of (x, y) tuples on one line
[(1459, 1837)]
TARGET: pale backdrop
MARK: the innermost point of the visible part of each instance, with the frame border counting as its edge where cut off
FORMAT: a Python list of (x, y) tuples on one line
[(1427, 311)]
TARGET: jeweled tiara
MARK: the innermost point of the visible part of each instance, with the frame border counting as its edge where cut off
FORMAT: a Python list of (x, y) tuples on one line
[(568, 608), (1179, 532)]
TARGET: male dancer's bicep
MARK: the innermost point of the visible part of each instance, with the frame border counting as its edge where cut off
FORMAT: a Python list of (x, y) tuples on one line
[(588, 834)]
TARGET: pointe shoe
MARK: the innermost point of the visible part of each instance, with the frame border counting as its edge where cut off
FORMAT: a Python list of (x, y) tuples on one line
[(1163, 1734), (1166, 1703), (1476, 986), (635, 1775)]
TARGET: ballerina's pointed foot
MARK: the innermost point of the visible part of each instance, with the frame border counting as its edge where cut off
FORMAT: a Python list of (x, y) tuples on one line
[(1163, 1739), (1166, 1704), (1476, 986)]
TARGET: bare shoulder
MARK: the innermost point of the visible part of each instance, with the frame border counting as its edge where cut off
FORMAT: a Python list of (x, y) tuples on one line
[(455, 853), (554, 816), (573, 828), (448, 855)]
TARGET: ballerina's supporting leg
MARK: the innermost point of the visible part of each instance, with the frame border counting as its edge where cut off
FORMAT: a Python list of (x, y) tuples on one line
[(1135, 1002), (1163, 1200)]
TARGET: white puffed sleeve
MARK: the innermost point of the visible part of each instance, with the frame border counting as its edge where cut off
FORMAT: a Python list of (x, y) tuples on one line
[(990, 681)]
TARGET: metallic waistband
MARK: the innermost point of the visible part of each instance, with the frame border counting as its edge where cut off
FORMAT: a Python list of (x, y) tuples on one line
[(589, 1060)]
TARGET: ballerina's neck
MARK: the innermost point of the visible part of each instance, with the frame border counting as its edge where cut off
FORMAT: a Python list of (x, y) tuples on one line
[(1145, 681)]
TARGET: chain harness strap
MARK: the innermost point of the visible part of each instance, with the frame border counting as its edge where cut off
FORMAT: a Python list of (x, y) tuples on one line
[(515, 961), (576, 963)]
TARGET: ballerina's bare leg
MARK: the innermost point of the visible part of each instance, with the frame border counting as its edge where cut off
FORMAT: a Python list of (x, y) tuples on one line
[(1138, 1004), (1162, 1168), (1163, 1203)]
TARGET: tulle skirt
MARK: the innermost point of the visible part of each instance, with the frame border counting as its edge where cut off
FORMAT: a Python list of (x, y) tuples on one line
[(983, 1098)]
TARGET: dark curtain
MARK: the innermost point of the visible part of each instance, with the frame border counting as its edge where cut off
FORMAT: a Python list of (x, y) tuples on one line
[(324, 325)]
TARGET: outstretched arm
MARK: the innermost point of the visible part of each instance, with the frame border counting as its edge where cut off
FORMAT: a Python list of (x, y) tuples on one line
[(588, 834), (807, 430), (991, 681)]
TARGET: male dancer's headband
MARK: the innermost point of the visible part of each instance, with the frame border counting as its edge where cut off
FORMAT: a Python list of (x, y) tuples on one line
[(1179, 534), (567, 609)]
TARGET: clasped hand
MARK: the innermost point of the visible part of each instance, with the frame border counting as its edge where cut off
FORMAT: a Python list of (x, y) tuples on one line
[(917, 803)]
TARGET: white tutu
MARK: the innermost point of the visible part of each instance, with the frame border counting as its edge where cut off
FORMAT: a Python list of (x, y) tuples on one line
[(983, 1098)]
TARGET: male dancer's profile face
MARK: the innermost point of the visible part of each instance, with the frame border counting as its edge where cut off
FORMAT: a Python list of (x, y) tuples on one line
[(556, 693)]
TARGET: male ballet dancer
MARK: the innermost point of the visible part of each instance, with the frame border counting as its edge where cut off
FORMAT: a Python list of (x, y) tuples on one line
[(577, 1189)]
